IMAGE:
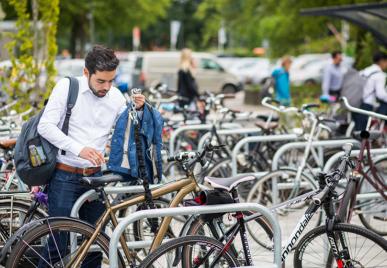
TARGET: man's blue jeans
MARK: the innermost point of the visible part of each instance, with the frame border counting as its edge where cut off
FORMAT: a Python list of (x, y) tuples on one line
[(63, 190)]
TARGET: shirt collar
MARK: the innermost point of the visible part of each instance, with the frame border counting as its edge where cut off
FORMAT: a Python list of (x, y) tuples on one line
[(83, 84), (376, 67)]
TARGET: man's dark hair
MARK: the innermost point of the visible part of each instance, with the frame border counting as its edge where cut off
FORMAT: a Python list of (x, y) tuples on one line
[(378, 56), (335, 53), (101, 59)]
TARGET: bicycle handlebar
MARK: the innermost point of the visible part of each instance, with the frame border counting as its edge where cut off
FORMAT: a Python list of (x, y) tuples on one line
[(9, 105), (361, 111), (310, 105), (281, 109), (195, 156)]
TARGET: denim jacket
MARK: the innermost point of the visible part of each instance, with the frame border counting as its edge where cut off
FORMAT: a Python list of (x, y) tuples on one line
[(151, 129)]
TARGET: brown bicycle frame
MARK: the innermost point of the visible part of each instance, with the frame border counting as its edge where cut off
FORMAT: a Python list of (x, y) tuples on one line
[(183, 187)]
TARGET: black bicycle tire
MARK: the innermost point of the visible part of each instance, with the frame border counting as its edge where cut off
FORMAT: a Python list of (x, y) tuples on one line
[(361, 217), (42, 229), (321, 230), (181, 241)]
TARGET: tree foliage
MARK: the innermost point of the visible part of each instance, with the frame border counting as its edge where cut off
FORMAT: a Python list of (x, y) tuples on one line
[(113, 21), (32, 76), (250, 22)]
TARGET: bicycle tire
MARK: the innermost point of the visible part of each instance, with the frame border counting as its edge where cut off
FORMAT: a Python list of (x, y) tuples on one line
[(374, 221), (185, 242), (316, 256), (30, 242)]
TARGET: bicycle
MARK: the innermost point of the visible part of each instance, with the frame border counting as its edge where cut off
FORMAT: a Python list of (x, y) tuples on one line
[(81, 237), (372, 211), (201, 251)]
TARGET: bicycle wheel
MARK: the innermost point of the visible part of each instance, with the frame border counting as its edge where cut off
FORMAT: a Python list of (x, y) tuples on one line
[(13, 215), (65, 237), (217, 227), (365, 248), (203, 252), (373, 211)]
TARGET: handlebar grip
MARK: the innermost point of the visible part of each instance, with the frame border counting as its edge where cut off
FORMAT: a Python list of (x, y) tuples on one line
[(317, 199), (310, 105)]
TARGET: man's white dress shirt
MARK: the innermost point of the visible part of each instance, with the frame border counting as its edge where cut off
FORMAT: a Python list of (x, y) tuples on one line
[(91, 120), (375, 87), (332, 78)]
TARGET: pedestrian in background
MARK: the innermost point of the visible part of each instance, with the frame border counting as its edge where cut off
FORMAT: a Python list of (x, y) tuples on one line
[(186, 83), (375, 90), (282, 82), (333, 76)]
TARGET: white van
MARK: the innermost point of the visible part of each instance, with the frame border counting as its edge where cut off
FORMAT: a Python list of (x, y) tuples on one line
[(154, 67)]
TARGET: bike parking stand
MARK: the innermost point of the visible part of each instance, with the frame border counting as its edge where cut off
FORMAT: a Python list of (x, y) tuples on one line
[(180, 211)]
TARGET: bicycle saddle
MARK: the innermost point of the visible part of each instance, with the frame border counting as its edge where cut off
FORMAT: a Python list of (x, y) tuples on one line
[(228, 183), (264, 117), (101, 181), (265, 126), (7, 144), (371, 135)]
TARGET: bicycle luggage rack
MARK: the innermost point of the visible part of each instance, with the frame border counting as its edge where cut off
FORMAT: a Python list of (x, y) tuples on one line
[(180, 211)]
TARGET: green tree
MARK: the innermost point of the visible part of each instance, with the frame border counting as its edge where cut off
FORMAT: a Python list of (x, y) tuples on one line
[(250, 22), (33, 49), (113, 21)]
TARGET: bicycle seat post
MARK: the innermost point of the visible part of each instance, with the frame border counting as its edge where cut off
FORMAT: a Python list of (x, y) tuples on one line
[(103, 197)]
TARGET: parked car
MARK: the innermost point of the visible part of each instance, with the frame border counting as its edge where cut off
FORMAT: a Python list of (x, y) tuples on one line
[(308, 68), (156, 67), (69, 67), (252, 70)]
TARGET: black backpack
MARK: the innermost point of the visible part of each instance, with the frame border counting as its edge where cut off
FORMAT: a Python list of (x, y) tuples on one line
[(35, 157)]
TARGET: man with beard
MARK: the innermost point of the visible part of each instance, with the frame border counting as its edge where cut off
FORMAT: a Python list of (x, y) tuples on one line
[(81, 152)]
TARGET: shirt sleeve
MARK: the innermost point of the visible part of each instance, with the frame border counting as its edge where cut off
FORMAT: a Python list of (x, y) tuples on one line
[(326, 81), (380, 87), (54, 111)]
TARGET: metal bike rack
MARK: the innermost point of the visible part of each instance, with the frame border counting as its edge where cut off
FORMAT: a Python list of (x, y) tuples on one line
[(334, 158), (266, 212), (225, 132), (295, 145), (183, 129), (92, 195), (238, 146)]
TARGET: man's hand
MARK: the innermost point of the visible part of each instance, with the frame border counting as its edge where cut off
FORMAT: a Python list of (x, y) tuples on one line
[(139, 100), (95, 157)]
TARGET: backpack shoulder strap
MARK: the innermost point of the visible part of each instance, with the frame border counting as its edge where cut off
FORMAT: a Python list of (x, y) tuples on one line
[(373, 90), (71, 100)]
